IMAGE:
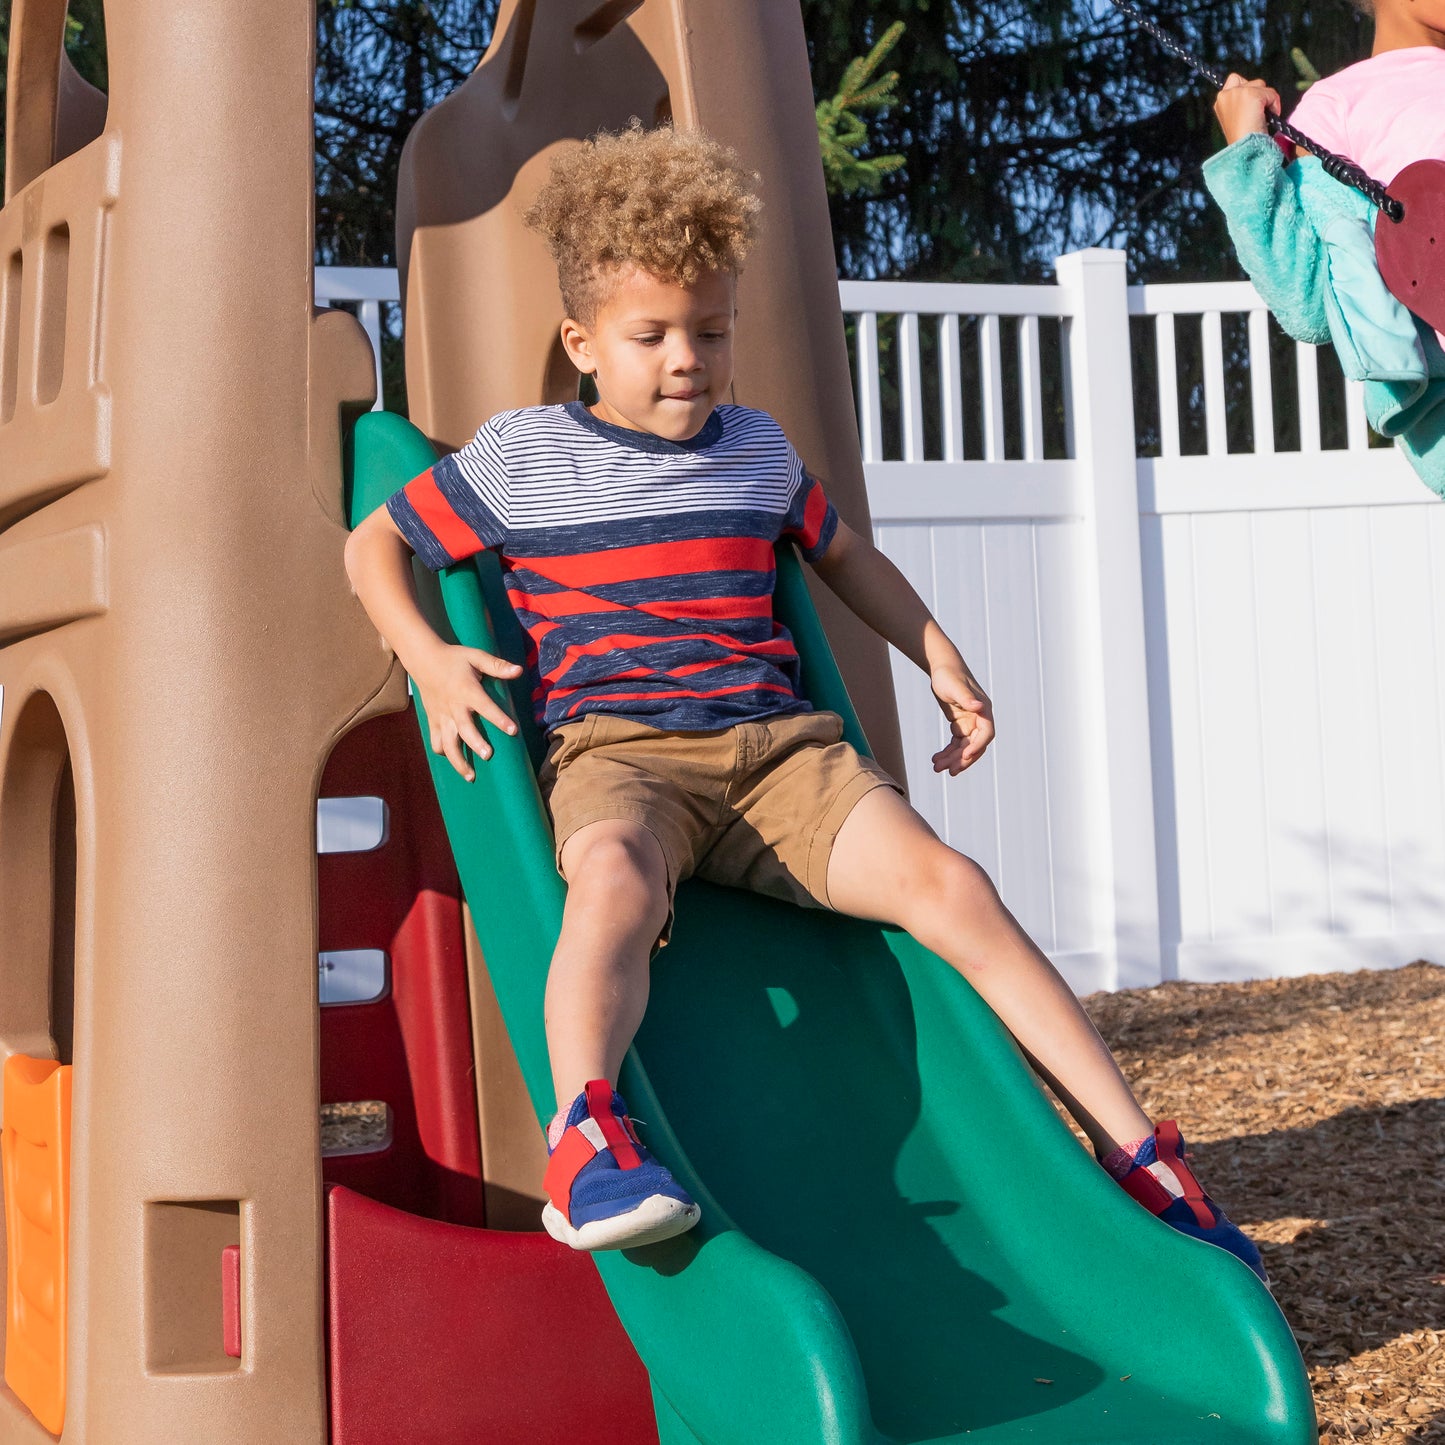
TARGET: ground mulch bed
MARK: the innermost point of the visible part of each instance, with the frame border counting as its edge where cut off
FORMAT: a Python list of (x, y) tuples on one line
[(1315, 1111), (353, 1128)]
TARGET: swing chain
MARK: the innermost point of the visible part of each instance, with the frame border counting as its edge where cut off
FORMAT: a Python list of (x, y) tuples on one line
[(1335, 166), (1340, 169)]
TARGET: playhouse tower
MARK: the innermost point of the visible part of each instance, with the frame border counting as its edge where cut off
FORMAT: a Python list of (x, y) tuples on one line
[(184, 669)]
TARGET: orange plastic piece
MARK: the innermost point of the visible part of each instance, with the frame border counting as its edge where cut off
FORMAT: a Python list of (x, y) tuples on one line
[(36, 1155)]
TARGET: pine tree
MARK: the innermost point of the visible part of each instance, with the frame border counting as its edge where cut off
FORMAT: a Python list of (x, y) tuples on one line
[(1032, 126), (842, 131)]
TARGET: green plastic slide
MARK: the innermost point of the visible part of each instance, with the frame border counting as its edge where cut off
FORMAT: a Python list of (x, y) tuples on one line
[(900, 1241)]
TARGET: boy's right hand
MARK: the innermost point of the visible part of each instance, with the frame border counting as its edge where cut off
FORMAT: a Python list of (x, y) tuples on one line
[(450, 683), (1241, 108)]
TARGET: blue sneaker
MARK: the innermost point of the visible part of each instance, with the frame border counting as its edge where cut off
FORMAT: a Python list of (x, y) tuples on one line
[(1165, 1185), (604, 1190)]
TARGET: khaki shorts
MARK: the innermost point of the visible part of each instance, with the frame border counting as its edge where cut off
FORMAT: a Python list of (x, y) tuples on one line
[(754, 806)]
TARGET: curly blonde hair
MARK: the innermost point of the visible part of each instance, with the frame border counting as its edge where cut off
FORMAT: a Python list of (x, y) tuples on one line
[(672, 202)]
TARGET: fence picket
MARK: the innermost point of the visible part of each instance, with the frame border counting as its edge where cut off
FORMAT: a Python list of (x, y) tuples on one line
[(1261, 388), (990, 365), (1215, 430), (1031, 390), (1308, 367), (870, 406), (950, 386), (910, 386), (1357, 427), (1168, 384)]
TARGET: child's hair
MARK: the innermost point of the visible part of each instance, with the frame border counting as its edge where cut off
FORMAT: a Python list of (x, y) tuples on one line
[(1365, 7), (671, 202)]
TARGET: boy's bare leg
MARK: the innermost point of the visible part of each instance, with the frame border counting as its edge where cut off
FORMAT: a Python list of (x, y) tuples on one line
[(598, 982), (888, 865)]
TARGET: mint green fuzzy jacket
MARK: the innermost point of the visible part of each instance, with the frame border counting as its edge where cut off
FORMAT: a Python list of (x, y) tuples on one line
[(1307, 243)]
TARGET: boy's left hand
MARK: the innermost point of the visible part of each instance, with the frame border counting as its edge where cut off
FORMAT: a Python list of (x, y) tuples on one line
[(970, 718)]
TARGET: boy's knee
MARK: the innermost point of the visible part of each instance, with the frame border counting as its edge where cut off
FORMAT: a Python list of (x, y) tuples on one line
[(614, 856), (617, 880), (947, 885)]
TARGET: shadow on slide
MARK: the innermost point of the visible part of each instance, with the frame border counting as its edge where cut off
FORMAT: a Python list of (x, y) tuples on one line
[(900, 1241)]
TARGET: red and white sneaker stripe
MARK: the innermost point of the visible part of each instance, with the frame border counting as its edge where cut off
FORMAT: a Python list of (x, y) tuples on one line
[(656, 1210), (1156, 1186), (584, 1141)]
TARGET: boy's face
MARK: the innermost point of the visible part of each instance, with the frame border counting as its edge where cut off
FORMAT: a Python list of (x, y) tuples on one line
[(661, 354)]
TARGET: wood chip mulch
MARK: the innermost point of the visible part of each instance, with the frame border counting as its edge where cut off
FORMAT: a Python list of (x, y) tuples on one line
[(353, 1128), (1315, 1110)]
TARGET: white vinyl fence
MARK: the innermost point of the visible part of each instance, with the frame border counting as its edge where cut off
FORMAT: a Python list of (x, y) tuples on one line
[(1213, 632)]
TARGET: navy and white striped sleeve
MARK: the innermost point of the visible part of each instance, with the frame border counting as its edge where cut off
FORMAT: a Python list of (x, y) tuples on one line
[(811, 520), (460, 506)]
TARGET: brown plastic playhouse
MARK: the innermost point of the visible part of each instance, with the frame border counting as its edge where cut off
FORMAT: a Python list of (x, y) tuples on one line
[(185, 672)]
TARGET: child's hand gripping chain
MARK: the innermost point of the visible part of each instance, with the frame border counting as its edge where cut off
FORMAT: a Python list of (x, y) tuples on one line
[(1243, 107)]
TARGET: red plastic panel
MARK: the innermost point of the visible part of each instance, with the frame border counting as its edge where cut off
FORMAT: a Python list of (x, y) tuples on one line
[(231, 1299), (411, 1049), (455, 1336)]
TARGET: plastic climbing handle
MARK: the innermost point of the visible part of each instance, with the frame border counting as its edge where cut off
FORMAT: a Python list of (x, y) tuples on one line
[(900, 1241)]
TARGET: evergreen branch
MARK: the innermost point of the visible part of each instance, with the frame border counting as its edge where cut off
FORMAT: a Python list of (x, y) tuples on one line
[(842, 132)]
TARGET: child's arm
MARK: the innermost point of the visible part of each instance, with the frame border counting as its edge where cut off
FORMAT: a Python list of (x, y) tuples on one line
[(1259, 195), (880, 594), (378, 561)]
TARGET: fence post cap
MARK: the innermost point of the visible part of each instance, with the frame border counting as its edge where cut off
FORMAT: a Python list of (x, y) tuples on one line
[(1097, 256)]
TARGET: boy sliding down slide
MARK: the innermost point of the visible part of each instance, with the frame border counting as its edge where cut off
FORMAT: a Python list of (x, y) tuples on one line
[(636, 537)]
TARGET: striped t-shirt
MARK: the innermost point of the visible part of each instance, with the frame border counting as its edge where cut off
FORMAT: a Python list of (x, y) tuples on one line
[(642, 569)]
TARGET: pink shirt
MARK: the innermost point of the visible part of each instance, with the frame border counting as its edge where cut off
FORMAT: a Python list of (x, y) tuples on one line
[(1382, 113)]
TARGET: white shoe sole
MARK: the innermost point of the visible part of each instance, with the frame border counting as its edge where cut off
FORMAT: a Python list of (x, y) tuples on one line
[(656, 1218)]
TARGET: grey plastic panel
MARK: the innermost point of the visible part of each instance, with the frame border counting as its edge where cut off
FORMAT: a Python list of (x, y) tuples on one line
[(352, 975), (351, 825)]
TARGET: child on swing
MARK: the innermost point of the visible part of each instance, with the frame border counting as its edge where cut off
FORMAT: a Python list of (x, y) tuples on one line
[(637, 538), (1306, 241), (1381, 113)]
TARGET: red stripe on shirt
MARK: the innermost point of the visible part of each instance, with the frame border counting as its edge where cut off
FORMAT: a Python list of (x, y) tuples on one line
[(669, 694), (688, 669), (720, 607), (441, 519), (615, 641), (575, 604), (561, 604), (814, 510), (655, 559)]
